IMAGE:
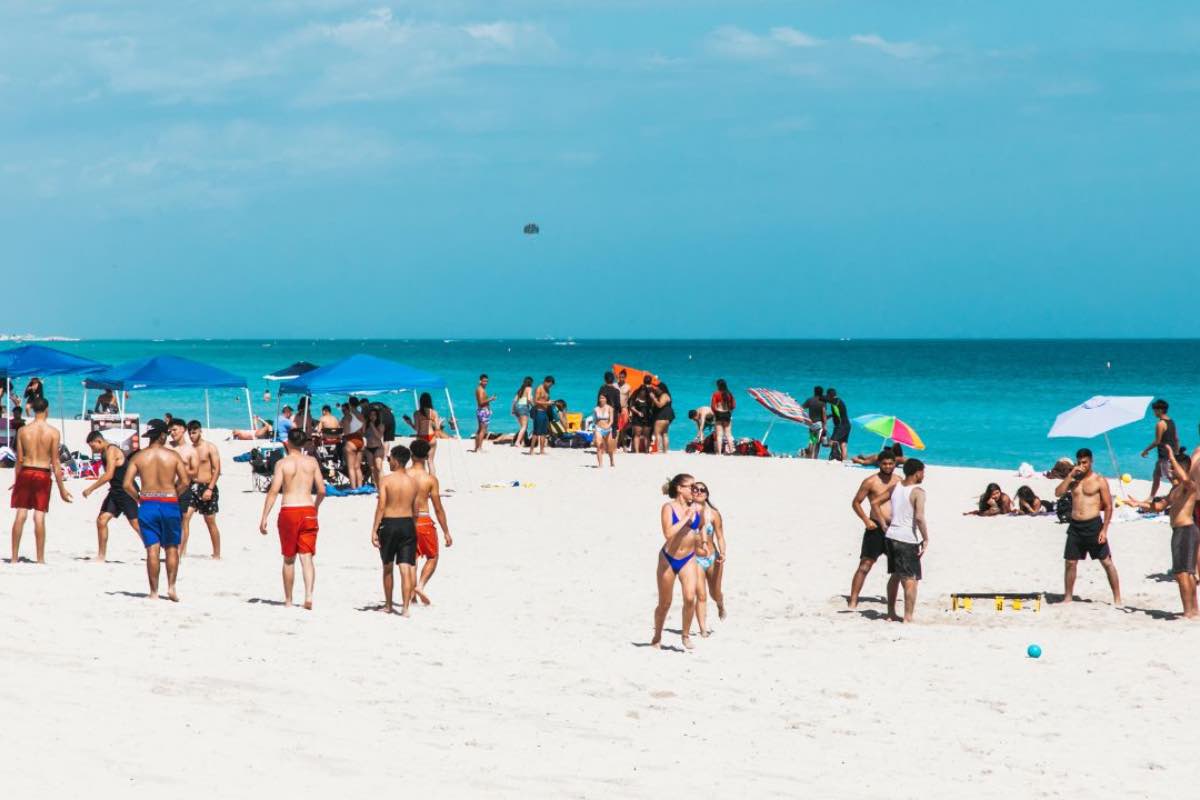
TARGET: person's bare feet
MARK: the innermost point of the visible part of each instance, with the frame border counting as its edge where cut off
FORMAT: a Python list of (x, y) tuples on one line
[(420, 595), (406, 613), (720, 611), (687, 642), (308, 605), (705, 634), (98, 559), (152, 596), (656, 642), (172, 595), (893, 617)]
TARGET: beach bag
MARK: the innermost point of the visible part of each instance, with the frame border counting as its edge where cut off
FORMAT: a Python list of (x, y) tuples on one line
[(1062, 508)]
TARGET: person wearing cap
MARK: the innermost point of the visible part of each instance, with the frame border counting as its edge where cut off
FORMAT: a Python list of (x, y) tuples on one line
[(164, 477)]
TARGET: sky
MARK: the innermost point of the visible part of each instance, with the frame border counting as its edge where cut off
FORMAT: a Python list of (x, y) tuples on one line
[(334, 168)]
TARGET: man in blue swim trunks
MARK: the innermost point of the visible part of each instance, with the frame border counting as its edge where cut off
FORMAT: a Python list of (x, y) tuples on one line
[(164, 477)]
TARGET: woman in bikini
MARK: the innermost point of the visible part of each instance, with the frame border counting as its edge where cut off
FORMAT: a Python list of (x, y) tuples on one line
[(353, 442), (603, 416), (722, 404), (680, 520), (710, 557), (427, 424), (521, 406), (373, 434)]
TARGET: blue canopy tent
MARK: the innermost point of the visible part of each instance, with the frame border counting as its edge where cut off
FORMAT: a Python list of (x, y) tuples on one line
[(366, 374), (35, 359), (168, 372)]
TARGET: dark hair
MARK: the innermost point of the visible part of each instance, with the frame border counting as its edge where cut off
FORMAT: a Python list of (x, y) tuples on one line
[(983, 498), (483, 376), (426, 402), (194, 425), (560, 404), (1185, 461), (707, 497), (1026, 494), (527, 381), (601, 396), (818, 391), (324, 409), (156, 434), (548, 379), (401, 454), (897, 450), (886, 454), (692, 414), (39, 404), (671, 487), (662, 387), (176, 422), (609, 377), (93, 436), (419, 449), (723, 388), (912, 466), (289, 408), (830, 392), (1083, 452), (297, 437), (1159, 404)]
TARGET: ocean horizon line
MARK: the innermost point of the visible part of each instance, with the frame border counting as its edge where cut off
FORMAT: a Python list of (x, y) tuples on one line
[(590, 339)]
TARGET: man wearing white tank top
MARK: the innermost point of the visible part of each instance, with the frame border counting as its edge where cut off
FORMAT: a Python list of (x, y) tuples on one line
[(906, 539)]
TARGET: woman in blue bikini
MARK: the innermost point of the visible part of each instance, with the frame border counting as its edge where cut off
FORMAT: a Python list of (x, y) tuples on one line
[(522, 404), (680, 520), (605, 418), (710, 557)]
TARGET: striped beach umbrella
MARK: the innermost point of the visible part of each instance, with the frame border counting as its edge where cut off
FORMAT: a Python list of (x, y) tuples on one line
[(782, 405), (892, 428)]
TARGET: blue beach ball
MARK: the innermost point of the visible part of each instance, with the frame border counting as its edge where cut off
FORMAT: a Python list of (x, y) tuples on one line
[(1034, 651)]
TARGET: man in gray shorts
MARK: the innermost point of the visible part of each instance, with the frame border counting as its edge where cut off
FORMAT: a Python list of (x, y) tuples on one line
[(1180, 502)]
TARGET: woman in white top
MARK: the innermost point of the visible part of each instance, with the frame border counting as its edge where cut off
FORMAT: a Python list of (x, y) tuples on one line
[(353, 442), (604, 437)]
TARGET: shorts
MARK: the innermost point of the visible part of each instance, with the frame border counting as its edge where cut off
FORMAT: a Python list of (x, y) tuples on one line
[(1083, 541), (483, 415), (161, 521), (32, 489), (398, 541), (207, 508), (872, 544), (723, 417), (118, 502), (1183, 548), (622, 420), (541, 423), (903, 559), (427, 541), (841, 434), (186, 500), (1162, 470), (297, 530), (814, 433)]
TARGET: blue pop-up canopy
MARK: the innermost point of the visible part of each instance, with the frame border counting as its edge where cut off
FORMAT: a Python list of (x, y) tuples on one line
[(362, 373), (35, 359), (168, 372)]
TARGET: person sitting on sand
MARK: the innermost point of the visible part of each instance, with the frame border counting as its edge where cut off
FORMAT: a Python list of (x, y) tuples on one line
[(1061, 469), (992, 502), (1030, 503), (263, 431), (1180, 502), (710, 557), (680, 521), (330, 427), (871, 459)]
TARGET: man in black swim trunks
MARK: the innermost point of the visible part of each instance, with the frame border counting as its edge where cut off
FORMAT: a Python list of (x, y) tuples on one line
[(877, 491), (117, 502), (1087, 533), (840, 436), (394, 532), (1165, 436)]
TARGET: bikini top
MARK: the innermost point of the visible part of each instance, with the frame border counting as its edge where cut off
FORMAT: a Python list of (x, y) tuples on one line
[(675, 520)]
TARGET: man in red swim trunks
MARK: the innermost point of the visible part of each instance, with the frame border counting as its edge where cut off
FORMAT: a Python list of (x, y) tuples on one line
[(428, 491), (298, 477), (37, 465)]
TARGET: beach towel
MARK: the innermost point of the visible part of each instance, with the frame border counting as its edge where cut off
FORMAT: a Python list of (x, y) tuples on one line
[(333, 491)]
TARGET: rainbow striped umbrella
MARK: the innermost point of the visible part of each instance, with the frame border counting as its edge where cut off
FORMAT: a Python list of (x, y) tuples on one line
[(892, 428)]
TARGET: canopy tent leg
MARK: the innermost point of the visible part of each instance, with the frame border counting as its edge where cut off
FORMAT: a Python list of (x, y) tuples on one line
[(8, 412), (453, 420), (62, 412), (207, 415), (83, 403), (250, 410)]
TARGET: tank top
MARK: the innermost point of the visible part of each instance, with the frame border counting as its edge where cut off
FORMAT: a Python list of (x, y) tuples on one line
[(903, 526), (1170, 437), (117, 484)]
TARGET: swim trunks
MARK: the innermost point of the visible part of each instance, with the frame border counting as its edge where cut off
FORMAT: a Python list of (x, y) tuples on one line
[(297, 530), (903, 559), (206, 508), (541, 422), (872, 544), (31, 490), (1162, 468), (398, 540), (1183, 549), (427, 541), (1083, 541), (119, 502), (160, 521), (483, 414), (723, 416), (186, 500)]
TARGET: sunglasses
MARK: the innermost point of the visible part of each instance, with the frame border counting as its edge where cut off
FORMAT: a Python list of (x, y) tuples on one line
[(700, 489)]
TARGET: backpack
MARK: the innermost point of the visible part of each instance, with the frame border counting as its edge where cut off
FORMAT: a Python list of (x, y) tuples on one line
[(1063, 508)]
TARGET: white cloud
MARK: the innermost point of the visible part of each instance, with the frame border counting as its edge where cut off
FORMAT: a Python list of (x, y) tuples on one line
[(901, 50), (793, 38), (738, 43)]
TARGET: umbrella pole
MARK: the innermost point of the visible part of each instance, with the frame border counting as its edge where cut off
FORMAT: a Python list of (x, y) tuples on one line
[(1116, 467), (453, 420), (250, 411), (770, 426)]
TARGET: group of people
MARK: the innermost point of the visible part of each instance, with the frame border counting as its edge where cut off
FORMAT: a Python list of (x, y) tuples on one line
[(162, 485), (829, 424), (994, 502)]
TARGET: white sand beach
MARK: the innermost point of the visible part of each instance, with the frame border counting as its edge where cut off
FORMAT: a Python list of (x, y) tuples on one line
[(530, 676)]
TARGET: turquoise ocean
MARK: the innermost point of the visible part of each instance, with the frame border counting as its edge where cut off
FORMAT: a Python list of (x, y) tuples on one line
[(975, 403)]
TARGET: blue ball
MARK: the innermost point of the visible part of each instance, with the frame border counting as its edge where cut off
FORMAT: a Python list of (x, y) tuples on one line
[(1034, 651)]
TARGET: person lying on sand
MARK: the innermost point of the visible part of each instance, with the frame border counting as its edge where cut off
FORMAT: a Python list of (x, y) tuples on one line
[(871, 459), (262, 431), (1030, 503), (992, 502)]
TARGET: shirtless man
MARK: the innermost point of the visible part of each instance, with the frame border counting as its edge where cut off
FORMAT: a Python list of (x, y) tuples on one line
[(205, 469), (298, 477), (164, 479), (1181, 503), (37, 463), (117, 502), (483, 412), (703, 417), (178, 440), (877, 491), (1087, 533), (393, 531), (541, 416), (428, 491)]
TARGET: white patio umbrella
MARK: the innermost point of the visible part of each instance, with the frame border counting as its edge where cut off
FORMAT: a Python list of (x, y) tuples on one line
[(1098, 416)]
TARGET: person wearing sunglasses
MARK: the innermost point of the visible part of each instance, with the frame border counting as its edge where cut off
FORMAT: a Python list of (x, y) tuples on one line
[(680, 519), (710, 557)]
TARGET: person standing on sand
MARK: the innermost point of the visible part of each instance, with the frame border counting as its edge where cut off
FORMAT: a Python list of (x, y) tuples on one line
[(722, 404), (1165, 437), (483, 412), (625, 390), (117, 502), (541, 416), (297, 477), (429, 491), (37, 463), (641, 415), (1185, 537), (680, 521), (205, 468), (165, 478), (604, 438), (814, 407), (710, 557), (877, 491), (840, 436), (178, 441), (905, 519), (612, 393), (393, 532), (663, 414), (1087, 533)]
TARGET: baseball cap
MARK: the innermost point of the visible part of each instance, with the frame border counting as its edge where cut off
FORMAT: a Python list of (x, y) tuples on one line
[(155, 426)]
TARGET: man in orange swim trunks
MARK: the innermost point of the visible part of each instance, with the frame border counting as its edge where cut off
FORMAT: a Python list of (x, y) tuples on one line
[(298, 477), (428, 491), (37, 465)]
